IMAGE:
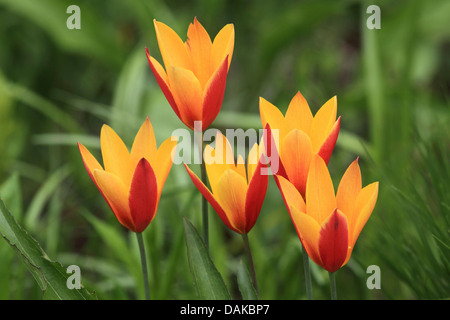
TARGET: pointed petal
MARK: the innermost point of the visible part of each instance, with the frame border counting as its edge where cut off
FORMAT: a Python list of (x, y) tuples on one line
[(199, 46), (296, 154), (187, 93), (320, 198), (116, 194), (365, 203), (162, 163), (144, 145), (143, 196), (273, 116), (223, 46), (253, 160), (348, 191), (116, 157), (255, 196), (90, 163), (173, 50), (163, 82), (298, 114), (322, 123), (231, 192), (213, 95), (271, 145), (290, 194), (308, 231), (333, 241), (211, 199), (327, 147)]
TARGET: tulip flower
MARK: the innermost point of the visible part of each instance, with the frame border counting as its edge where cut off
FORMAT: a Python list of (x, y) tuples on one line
[(131, 182), (328, 225), (301, 136), (237, 193), (194, 75)]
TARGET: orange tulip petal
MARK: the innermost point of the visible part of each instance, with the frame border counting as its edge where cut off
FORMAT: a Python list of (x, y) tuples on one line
[(255, 196), (231, 193), (188, 94), (144, 145), (347, 193), (271, 145), (143, 196), (199, 46), (365, 203), (320, 198), (290, 194), (116, 157), (308, 232), (211, 199), (162, 163), (223, 46), (90, 163), (272, 115), (163, 82), (213, 95), (116, 194), (296, 154), (327, 147), (298, 114), (333, 241), (173, 50), (322, 123)]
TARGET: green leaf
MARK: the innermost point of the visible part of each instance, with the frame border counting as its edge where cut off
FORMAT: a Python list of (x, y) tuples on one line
[(50, 275), (208, 282), (244, 280)]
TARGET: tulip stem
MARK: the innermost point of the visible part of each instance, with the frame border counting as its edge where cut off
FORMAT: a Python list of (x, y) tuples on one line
[(143, 264), (204, 201), (333, 285), (307, 274), (250, 261)]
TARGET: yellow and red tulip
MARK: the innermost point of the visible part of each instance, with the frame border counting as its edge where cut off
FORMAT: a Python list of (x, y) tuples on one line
[(328, 225), (131, 182), (236, 194), (194, 77), (301, 135)]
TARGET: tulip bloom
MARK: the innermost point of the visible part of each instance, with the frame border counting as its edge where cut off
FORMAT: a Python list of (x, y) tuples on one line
[(195, 73), (328, 225), (301, 136), (131, 183), (237, 194)]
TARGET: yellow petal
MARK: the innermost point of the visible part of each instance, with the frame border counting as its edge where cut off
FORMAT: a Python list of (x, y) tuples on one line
[(252, 161), (298, 114), (89, 161), (296, 154), (365, 203), (320, 198), (223, 45), (308, 231), (172, 47), (116, 193), (116, 157), (230, 193), (199, 46), (163, 160), (348, 191), (144, 145), (291, 196), (322, 123), (188, 95), (272, 115)]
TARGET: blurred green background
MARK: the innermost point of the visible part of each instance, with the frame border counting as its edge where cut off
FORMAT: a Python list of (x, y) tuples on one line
[(58, 86)]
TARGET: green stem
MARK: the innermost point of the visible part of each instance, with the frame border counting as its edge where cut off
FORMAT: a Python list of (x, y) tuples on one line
[(204, 201), (250, 261), (143, 264), (307, 274), (333, 285)]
